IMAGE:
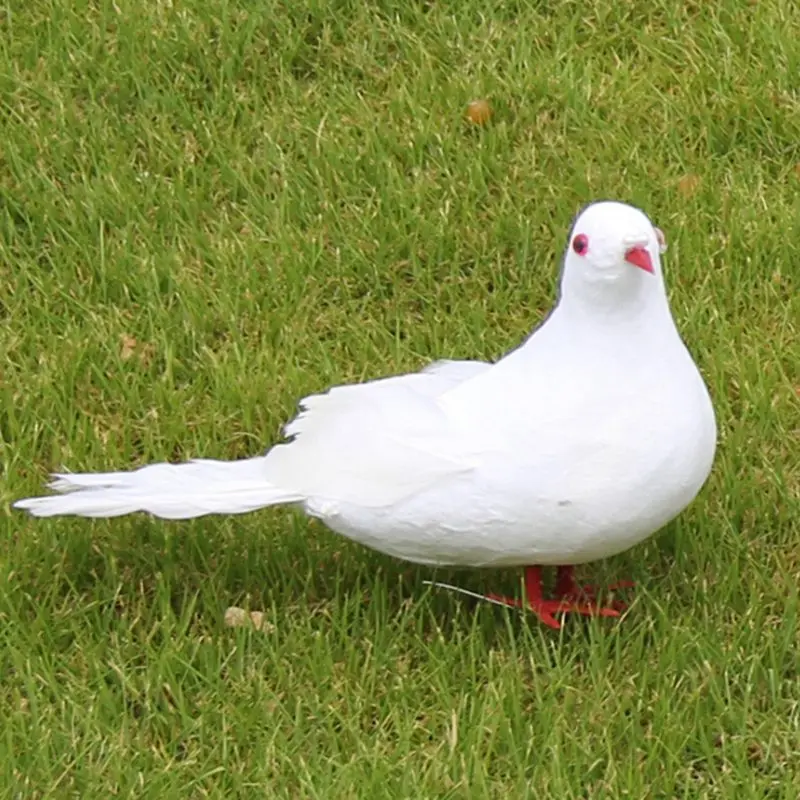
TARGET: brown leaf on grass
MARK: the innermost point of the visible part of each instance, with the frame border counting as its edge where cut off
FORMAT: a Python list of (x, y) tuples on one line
[(128, 347), (236, 617), (146, 353), (797, 169), (688, 184), (478, 112), (755, 752)]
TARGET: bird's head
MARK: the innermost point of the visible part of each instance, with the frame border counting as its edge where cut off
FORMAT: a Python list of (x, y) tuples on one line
[(613, 256)]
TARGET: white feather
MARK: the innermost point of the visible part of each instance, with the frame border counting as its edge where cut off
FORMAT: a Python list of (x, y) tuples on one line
[(333, 459), (171, 491)]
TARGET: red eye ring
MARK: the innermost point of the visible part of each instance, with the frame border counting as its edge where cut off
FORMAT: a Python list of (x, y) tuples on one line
[(580, 244)]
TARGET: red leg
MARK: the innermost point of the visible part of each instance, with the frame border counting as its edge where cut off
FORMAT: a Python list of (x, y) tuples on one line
[(567, 588), (544, 609), (547, 609)]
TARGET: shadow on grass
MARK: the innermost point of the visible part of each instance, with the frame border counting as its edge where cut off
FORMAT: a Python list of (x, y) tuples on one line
[(298, 569)]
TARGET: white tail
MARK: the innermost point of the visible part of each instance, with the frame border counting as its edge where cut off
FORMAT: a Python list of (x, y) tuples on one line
[(372, 445), (170, 491)]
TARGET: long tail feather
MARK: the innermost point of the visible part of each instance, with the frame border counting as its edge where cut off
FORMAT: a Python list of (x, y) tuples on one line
[(170, 491)]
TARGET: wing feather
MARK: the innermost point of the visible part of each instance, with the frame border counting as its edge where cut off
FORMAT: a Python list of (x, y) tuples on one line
[(374, 444)]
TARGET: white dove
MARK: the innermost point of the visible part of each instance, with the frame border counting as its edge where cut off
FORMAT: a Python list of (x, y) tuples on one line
[(579, 444)]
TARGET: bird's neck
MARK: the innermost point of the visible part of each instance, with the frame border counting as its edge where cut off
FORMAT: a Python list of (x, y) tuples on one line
[(599, 328), (626, 310)]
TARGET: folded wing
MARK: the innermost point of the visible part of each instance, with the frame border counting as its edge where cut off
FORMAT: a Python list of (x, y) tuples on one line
[(375, 444)]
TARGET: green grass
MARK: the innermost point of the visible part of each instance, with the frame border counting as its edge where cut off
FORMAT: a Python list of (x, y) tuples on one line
[(211, 209)]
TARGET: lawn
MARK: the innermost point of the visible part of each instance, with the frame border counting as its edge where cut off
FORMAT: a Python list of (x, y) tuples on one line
[(212, 208)]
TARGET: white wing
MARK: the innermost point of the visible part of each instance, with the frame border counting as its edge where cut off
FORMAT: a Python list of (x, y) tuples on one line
[(443, 375), (374, 444)]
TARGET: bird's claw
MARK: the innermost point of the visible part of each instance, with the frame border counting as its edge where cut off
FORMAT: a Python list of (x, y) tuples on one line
[(546, 610)]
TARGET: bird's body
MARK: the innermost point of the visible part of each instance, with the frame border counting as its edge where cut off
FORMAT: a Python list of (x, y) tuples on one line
[(565, 492), (576, 446)]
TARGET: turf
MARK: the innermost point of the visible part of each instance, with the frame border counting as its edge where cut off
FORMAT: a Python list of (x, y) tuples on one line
[(210, 209)]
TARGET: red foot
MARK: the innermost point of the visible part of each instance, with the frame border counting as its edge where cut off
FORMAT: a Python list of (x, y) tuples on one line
[(571, 598), (568, 589), (546, 609)]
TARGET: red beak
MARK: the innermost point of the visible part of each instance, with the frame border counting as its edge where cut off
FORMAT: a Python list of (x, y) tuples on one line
[(639, 257)]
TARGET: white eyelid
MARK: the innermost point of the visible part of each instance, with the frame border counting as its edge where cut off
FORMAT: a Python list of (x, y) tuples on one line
[(662, 242)]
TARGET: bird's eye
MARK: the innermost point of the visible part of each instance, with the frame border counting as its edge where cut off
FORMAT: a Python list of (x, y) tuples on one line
[(580, 244)]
